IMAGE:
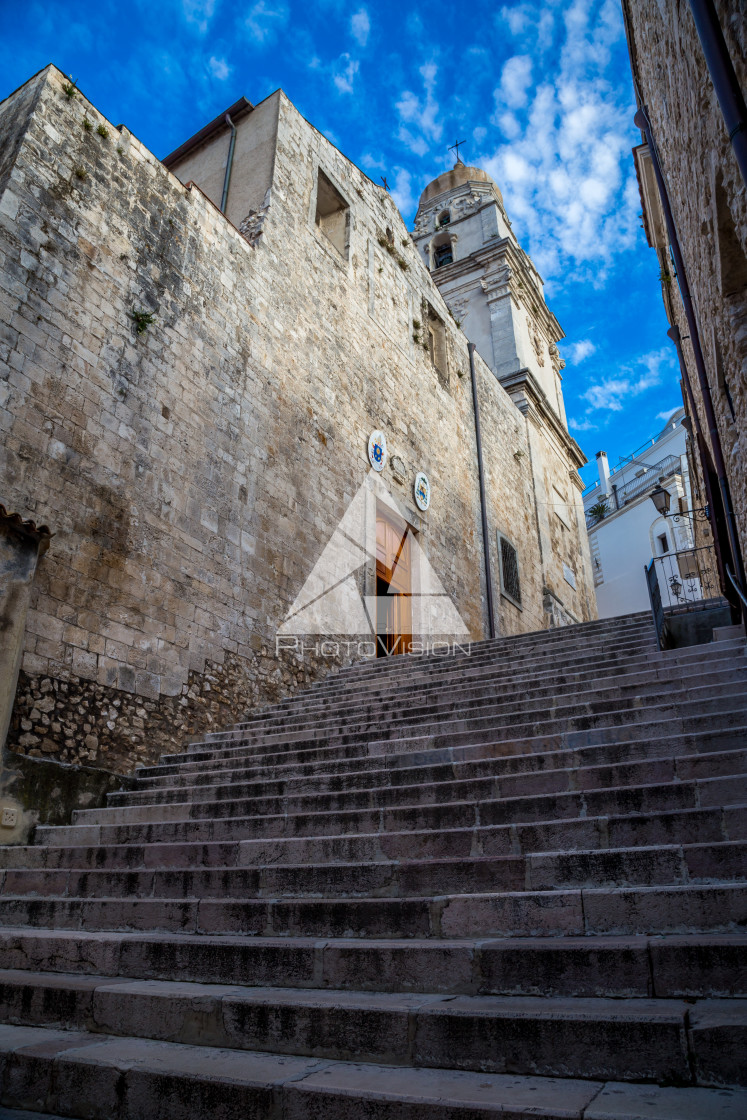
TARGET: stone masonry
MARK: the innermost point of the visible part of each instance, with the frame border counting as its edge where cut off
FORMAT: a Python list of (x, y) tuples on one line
[(505, 884), (709, 205), (192, 466)]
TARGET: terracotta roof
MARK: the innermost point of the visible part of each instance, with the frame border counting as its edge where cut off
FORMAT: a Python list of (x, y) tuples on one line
[(28, 528)]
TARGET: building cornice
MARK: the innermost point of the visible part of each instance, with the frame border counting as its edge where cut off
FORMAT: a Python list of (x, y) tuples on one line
[(537, 407)]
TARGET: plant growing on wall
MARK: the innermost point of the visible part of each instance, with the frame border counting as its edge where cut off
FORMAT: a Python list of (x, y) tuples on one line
[(143, 319), (69, 90), (598, 511)]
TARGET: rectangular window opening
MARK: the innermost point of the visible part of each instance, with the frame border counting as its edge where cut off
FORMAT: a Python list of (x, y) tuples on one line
[(436, 339), (332, 214), (663, 543), (509, 558)]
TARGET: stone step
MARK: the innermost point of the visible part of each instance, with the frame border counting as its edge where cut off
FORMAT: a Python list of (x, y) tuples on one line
[(610, 747), (595, 665), (714, 825), (663, 721), (398, 721), (720, 907), (625, 1039), (102, 1077), (480, 779), (320, 814), (646, 803), (706, 826), (673, 966), (336, 686), (691, 863), (589, 666)]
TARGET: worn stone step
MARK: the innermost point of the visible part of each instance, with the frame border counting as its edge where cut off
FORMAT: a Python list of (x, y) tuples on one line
[(664, 721), (102, 1077), (475, 874), (483, 779), (499, 700), (336, 686), (714, 825), (625, 1039), (720, 907), (488, 714), (558, 682), (672, 966), (407, 813), (497, 691), (426, 831), (604, 747)]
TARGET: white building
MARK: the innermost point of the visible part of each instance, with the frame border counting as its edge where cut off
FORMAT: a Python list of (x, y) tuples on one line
[(625, 531)]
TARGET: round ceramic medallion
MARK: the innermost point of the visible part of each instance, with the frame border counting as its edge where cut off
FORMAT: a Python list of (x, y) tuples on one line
[(377, 450), (422, 491)]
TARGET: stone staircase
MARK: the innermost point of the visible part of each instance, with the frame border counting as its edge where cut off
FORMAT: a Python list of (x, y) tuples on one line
[(506, 884)]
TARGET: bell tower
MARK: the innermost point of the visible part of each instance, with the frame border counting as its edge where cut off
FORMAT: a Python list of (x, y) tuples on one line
[(494, 292), (489, 283)]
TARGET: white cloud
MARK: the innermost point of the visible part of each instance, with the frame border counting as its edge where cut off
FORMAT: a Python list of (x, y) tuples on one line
[(360, 26), (419, 116), (665, 417), (198, 13), (219, 68), (344, 78), (579, 351), (564, 163), (516, 78), (402, 191), (265, 20), (585, 425), (613, 393)]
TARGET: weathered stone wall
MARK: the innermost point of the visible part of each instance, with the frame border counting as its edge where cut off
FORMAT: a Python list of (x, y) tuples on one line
[(193, 473), (709, 205)]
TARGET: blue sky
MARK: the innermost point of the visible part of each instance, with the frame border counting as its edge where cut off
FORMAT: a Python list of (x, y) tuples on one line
[(540, 91)]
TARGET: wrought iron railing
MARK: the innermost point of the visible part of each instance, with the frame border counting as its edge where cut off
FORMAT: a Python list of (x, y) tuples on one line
[(621, 495), (681, 582), (663, 469)]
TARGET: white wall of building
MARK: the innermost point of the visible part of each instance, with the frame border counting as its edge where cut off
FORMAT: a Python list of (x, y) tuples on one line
[(624, 541)]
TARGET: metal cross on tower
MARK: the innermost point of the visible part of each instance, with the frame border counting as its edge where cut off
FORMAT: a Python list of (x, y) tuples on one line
[(455, 148)]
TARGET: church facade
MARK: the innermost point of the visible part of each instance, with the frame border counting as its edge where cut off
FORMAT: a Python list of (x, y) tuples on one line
[(203, 358)]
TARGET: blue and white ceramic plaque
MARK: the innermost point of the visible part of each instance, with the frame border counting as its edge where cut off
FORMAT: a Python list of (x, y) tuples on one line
[(377, 450), (422, 491)]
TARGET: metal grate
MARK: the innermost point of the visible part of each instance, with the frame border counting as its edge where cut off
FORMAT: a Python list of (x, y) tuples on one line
[(510, 571)]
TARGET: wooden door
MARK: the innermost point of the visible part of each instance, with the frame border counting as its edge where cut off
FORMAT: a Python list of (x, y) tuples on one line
[(393, 583)]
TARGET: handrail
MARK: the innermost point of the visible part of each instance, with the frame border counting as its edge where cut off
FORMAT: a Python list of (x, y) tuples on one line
[(737, 587)]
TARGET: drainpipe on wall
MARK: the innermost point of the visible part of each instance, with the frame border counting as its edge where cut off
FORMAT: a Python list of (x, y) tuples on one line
[(725, 84), (229, 164), (642, 122), (483, 505)]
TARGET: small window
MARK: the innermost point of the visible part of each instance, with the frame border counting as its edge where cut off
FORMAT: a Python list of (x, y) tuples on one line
[(509, 558), (442, 255), (663, 543), (444, 218), (332, 214)]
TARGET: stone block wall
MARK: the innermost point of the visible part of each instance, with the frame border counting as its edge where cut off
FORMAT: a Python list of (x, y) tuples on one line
[(709, 205), (192, 473)]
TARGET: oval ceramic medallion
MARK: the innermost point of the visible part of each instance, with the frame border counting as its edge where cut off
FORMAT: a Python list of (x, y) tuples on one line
[(422, 491), (377, 450)]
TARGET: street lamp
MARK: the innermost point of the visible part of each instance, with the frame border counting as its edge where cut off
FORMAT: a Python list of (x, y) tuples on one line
[(661, 499)]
